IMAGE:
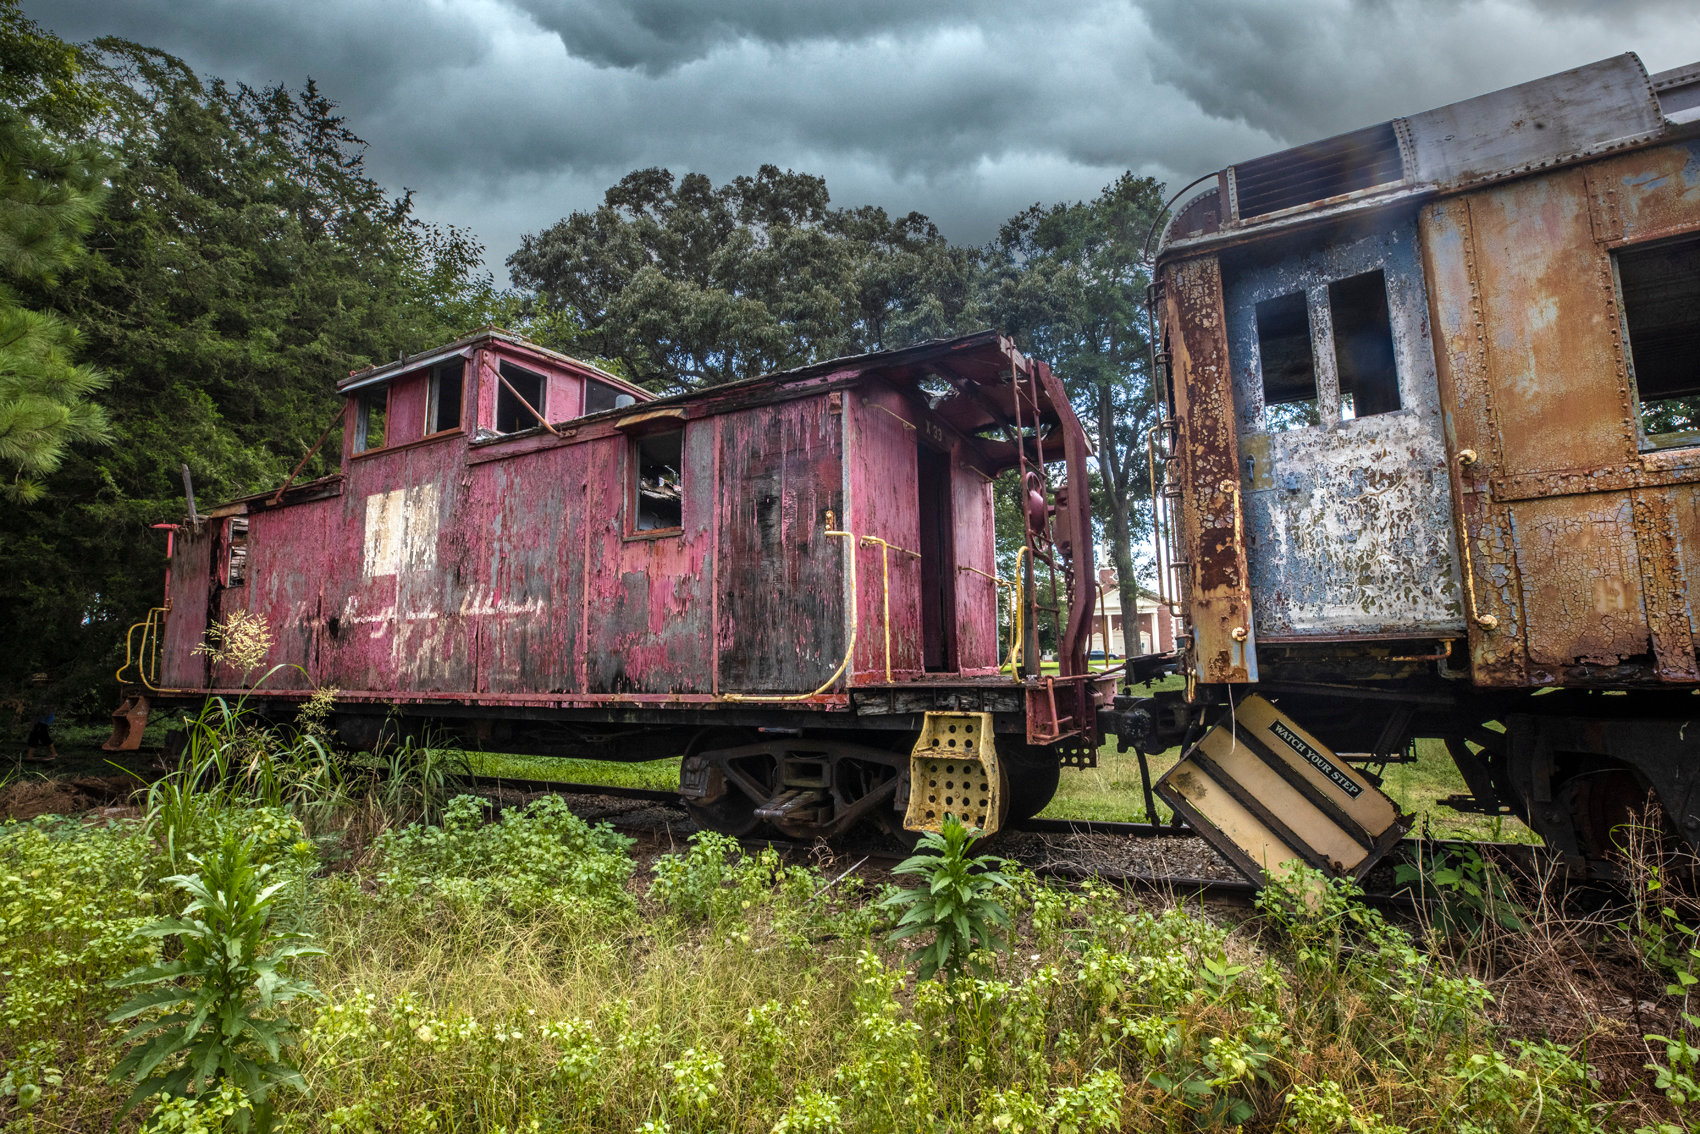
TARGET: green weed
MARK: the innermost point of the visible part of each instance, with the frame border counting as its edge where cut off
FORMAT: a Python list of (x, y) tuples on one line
[(221, 995)]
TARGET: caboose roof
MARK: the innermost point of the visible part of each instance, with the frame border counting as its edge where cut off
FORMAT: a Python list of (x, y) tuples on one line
[(372, 375), (968, 381), (1552, 121)]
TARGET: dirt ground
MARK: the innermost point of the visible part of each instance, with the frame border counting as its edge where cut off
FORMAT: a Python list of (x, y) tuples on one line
[(35, 794)]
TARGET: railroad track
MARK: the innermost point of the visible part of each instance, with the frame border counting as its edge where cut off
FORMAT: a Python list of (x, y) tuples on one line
[(1037, 834)]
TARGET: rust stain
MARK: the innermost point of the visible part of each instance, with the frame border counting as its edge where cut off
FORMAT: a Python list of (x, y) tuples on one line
[(1212, 524)]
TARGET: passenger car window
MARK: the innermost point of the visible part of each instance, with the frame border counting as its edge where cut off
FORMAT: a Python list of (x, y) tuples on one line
[(1289, 372), (658, 482), (1659, 288), (1363, 345)]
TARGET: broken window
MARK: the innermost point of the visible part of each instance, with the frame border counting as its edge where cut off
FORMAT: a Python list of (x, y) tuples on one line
[(447, 383), (511, 412), (236, 572), (1363, 345), (599, 396), (1660, 287), (1289, 373), (658, 498), (369, 419)]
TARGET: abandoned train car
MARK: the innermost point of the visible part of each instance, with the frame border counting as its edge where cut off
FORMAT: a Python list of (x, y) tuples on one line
[(788, 580), (1431, 457)]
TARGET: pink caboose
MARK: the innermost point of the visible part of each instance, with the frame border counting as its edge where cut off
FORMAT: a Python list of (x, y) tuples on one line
[(790, 580)]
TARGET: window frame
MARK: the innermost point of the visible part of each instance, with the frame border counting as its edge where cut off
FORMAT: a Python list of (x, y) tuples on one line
[(434, 385), (1646, 442), (541, 405), (363, 402), (635, 441)]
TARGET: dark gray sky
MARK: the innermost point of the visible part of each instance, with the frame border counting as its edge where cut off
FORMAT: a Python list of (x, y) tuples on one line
[(506, 115)]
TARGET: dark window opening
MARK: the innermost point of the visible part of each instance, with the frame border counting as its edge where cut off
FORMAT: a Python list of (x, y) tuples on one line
[(1363, 345), (511, 414), (447, 383), (937, 550), (1661, 317), (237, 572), (370, 419), (599, 396), (1289, 373), (659, 486)]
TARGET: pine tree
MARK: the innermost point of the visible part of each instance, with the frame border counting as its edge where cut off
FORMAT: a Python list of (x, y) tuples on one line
[(49, 197)]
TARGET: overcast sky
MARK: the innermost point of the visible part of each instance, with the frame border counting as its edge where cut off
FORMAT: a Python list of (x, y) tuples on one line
[(505, 115)]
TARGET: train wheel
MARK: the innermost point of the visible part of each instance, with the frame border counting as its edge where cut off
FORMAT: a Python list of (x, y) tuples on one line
[(734, 811), (1031, 774)]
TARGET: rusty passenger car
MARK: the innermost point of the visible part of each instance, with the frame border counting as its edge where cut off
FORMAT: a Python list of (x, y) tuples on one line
[(788, 580), (1432, 447)]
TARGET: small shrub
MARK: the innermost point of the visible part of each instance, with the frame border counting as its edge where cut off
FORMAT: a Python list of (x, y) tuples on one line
[(956, 900), (1466, 892), (539, 856), (715, 881), (220, 1025)]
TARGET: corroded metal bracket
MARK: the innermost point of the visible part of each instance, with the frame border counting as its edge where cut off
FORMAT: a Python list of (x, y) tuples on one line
[(953, 770)]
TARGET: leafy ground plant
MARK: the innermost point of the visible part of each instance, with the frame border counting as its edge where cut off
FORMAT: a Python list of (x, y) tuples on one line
[(222, 995), (957, 900)]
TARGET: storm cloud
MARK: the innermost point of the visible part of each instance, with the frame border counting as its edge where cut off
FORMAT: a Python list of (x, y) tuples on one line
[(505, 115)]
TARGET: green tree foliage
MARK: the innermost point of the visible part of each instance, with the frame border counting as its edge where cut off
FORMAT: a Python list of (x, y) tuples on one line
[(49, 197), (245, 259), (1068, 281), (685, 284)]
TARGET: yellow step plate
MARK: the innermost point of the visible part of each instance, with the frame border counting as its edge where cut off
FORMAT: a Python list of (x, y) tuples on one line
[(1265, 792), (953, 770)]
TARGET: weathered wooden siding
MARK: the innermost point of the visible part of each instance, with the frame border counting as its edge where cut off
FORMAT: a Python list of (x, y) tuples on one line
[(885, 505), (186, 622), (406, 420), (977, 597), (780, 578), (504, 567)]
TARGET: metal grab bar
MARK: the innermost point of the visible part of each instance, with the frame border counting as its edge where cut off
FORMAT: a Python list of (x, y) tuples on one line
[(145, 658), (1485, 621), (885, 585)]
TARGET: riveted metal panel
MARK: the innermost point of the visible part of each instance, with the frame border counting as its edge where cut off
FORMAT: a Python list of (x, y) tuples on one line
[(1212, 523)]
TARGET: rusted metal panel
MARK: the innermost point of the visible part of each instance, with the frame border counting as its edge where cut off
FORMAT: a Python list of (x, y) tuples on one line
[(782, 603), (1582, 576), (1588, 526), (1349, 520), (1587, 110), (1218, 591), (1662, 538), (1492, 584), (1547, 296)]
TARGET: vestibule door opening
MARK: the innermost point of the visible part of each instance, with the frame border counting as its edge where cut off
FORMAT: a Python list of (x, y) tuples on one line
[(938, 561)]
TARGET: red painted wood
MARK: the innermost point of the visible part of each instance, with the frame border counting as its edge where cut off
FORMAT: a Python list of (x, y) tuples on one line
[(506, 570)]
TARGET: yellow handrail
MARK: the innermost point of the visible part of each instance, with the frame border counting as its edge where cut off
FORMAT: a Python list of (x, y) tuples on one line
[(885, 587), (849, 650), (1015, 659), (145, 657)]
